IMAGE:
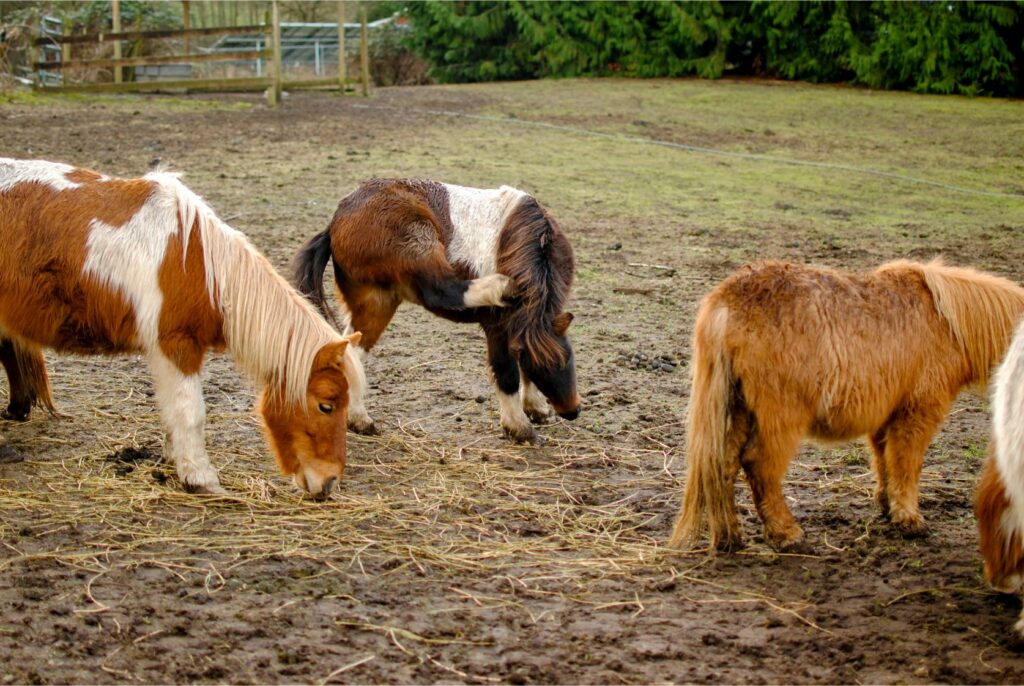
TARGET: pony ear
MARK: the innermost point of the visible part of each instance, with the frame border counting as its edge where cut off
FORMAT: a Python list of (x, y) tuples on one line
[(354, 338), (561, 323), (333, 354)]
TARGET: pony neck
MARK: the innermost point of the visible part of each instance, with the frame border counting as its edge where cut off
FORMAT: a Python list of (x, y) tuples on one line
[(270, 330), (982, 311)]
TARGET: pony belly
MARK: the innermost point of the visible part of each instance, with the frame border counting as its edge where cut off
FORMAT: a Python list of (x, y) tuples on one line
[(84, 324), (839, 425)]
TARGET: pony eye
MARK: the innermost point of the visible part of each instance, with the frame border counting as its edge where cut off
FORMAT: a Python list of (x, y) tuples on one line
[(326, 409)]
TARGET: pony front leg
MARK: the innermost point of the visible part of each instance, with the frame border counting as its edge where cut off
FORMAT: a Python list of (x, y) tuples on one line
[(535, 404), (441, 291), (907, 437), (359, 419), (505, 369), (183, 411)]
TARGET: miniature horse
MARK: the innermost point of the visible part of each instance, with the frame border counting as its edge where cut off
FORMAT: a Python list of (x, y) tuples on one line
[(782, 351), (94, 264), (999, 503), (459, 252)]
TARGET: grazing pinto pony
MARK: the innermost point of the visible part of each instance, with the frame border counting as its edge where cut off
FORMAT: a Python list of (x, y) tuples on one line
[(94, 264), (460, 253), (784, 351), (999, 503)]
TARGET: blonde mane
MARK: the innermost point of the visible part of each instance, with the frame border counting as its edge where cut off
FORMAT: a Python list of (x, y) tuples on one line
[(271, 331), (982, 310)]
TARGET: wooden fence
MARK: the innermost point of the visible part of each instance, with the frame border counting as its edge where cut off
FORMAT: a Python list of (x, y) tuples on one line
[(273, 81)]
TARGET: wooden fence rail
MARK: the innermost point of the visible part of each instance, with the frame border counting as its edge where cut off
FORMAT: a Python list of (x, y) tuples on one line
[(273, 82)]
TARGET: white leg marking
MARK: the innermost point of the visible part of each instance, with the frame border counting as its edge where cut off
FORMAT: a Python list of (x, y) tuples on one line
[(183, 412), (487, 291), (534, 403), (513, 420), (359, 420)]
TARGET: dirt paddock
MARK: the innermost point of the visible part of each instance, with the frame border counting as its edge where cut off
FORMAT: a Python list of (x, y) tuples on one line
[(449, 555)]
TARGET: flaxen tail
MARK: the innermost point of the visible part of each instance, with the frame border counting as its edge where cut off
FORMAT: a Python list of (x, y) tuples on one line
[(708, 501)]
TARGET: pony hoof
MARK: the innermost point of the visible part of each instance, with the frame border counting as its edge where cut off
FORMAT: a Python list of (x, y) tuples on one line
[(788, 543), (540, 416), (800, 546), (208, 489), (729, 544), (364, 429), (16, 414), (9, 455), (524, 435), (911, 528)]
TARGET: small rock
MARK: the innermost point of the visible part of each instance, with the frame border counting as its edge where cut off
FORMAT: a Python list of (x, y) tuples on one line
[(481, 399), (614, 246)]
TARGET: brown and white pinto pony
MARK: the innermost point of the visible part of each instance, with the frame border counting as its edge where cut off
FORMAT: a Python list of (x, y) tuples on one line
[(95, 264), (491, 256), (999, 503), (783, 351)]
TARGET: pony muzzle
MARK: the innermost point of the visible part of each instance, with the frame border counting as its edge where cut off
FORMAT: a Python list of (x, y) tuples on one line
[(571, 412), (317, 486)]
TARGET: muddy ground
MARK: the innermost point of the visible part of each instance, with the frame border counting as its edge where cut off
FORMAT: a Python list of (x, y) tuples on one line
[(449, 555)]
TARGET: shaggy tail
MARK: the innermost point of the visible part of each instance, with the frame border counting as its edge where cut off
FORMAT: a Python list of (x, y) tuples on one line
[(708, 501), (29, 383), (308, 274)]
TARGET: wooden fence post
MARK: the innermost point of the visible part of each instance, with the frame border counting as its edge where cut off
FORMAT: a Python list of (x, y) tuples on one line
[(186, 23), (65, 50), (364, 55), (274, 95), (116, 10), (34, 53), (342, 66)]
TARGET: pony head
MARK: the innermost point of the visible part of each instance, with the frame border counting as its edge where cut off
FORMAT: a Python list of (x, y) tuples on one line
[(999, 531), (309, 439), (551, 366)]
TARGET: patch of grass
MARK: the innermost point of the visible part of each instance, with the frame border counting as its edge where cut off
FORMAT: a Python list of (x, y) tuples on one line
[(129, 102)]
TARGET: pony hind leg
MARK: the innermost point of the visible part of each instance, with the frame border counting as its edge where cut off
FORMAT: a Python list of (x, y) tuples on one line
[(442, 291), (765, 459), (27, 379), (370, 311), (725, 531), (877, 443), (907, 437), (180, 397)]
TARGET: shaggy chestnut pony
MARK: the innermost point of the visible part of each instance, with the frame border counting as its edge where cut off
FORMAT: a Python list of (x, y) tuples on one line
[(95, 264), (491, 256), (783, 351), (999, 503)]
